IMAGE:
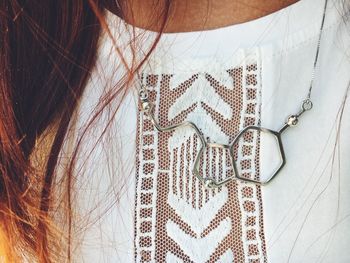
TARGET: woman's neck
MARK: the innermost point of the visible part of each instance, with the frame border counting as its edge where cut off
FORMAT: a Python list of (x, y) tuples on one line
[(197, 15)]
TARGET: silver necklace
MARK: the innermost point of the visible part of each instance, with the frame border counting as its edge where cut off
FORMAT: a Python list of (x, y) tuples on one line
[(147, 107)]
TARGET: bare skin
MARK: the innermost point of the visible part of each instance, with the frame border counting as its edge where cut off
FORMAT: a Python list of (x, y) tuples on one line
[(197, 15)]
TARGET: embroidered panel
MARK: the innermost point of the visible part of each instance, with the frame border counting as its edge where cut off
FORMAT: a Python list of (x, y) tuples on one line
[(176, 218)]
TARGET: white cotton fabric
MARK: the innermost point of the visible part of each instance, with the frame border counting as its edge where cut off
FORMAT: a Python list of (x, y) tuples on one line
[(306, 211)]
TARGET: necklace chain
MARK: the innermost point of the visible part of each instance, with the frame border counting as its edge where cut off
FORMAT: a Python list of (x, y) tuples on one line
[(318, 49), (292, 120)]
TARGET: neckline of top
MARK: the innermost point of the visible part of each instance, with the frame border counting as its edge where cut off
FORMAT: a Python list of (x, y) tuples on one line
[(303, 13), (226, 27), (281, 30)]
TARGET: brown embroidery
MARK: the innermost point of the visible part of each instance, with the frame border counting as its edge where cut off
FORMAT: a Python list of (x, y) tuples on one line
[(176, 218)]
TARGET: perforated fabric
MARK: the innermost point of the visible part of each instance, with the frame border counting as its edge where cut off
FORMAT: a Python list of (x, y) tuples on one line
[(177, 219)]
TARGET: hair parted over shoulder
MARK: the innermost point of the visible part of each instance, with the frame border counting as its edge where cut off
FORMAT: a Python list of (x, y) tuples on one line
[(47, 52)]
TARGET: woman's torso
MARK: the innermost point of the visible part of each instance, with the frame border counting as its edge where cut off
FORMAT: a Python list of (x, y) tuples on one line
[(142, 200)]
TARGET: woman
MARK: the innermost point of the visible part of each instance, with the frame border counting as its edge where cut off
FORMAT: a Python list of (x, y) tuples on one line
[(93, 168)]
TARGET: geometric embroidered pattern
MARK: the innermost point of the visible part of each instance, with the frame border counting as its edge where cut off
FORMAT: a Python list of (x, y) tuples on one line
[(177, 219)]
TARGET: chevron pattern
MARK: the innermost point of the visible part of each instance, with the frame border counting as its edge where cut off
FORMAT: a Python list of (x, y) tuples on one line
[(199, 248), (177, 220)]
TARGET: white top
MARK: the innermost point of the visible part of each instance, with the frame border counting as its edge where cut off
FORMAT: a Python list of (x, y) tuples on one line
[(136, 194)]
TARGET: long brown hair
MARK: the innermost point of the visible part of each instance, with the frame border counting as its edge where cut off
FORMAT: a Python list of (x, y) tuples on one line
[(47, 52)]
